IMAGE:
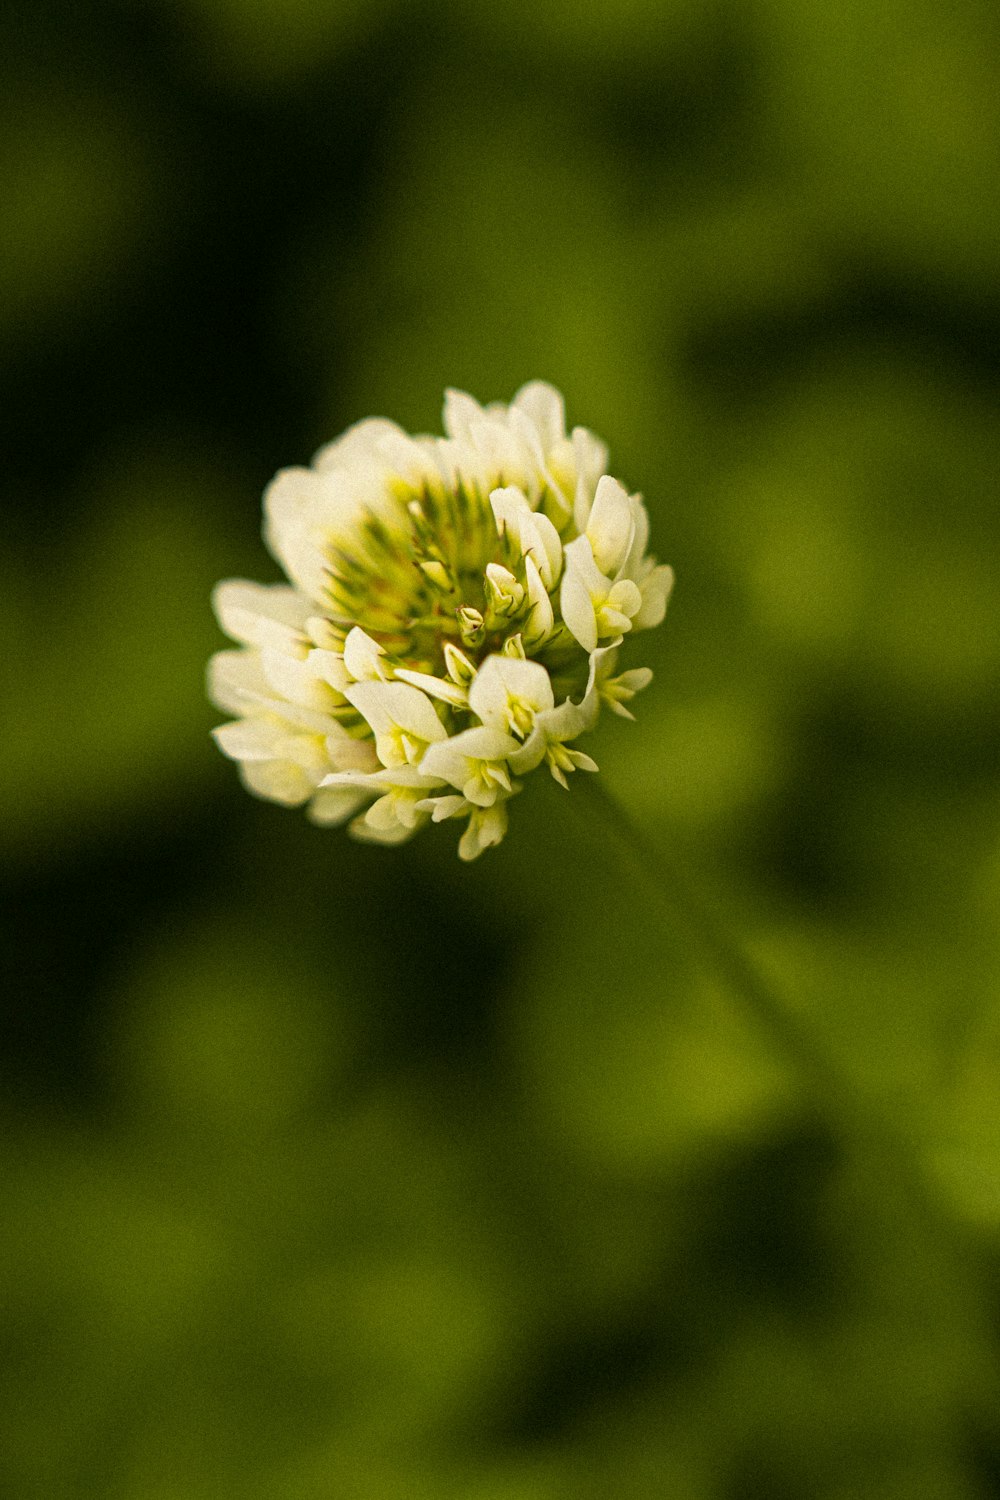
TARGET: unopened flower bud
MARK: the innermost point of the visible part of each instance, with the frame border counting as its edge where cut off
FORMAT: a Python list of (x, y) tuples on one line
[(471, 626), (504, 594), (458, 666)]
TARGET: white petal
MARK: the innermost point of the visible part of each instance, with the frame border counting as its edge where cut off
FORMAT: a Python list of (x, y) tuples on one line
[(247, 739), (345, 753), (543, 405), (501, 451), (236, 681), (582, 762), (403, 457), (541, 617), (278, 780), (469, 847), (435, 687), (300, 719), (454, 760), (325, 634), (530, 448), (625, 598), (260, 614), (635, 679), (300, 682), (563, 723), (329, 667), (501, 678), (508, 505), (655, 588), (545, 546), (578, 609), (396, 705), (602, 663), (488, 694), (362, 830), (334, 805), (450, 459), (362, 657), (530, 754), (303, 511), (580, 554), (460, 411), (483, 743), (575, 595), (610, 525), (289, 509), (362, 443), (590, 459), (308, 512), (384, 815), (444, 807), (590, 703), (266, 739), (487, 827), (637, 551), (378, 781)]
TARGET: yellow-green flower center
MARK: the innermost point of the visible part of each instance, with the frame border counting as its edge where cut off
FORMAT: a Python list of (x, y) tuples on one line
[(438, 572)]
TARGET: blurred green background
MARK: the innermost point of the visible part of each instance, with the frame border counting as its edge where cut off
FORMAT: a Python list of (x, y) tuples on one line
[(335, 1172)]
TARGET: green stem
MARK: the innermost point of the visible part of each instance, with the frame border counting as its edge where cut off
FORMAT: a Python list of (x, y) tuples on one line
[(852, 1110), (675, 890)]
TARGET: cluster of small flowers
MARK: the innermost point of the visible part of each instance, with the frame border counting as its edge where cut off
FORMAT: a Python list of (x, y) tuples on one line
[(453, 620)]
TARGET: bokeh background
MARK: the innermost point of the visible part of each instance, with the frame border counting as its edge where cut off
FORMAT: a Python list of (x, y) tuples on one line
[(336, 1172)]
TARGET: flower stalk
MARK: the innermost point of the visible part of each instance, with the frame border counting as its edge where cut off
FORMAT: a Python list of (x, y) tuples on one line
[(844, 1103)]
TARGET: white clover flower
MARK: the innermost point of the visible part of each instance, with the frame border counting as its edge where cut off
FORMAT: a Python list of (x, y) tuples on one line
[(453, 620)]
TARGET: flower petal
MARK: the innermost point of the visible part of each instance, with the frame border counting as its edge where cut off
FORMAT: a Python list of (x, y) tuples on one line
[(581, 578), (364, 658), (460, 411), (487, 827), (435, 687), (334, 805), (503, 679), (656, 589), (610, 525), (460, 759), (281, 781), (303, 682), (389, 706), (366, 833), (249, 739), (261, 614), (543, 405), (530, 754), (236, 681)]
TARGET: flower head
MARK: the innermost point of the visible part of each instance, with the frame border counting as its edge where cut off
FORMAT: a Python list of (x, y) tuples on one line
[(453, 619)]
